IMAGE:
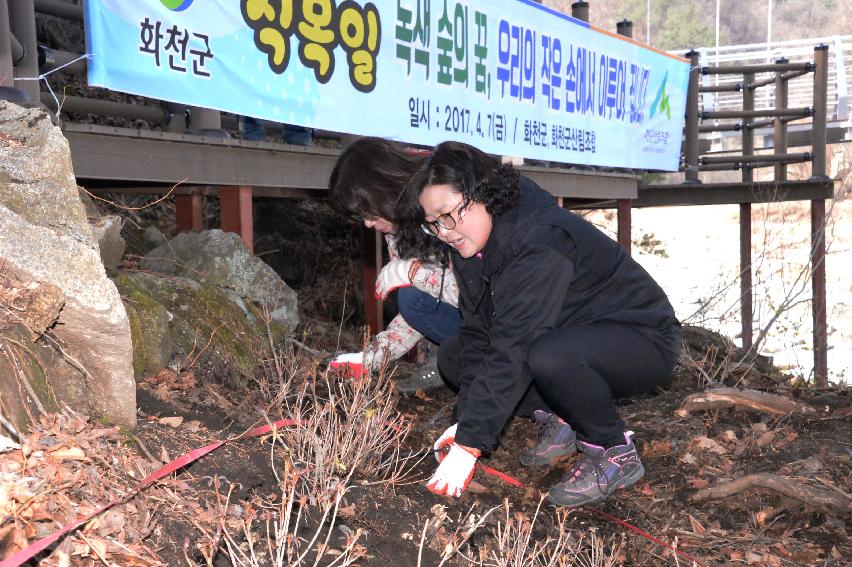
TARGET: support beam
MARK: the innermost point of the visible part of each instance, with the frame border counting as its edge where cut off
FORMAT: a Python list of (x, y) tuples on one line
[(746, 297), (370, 267), (690, 144), (780, 133), (625, 224), (236, 212), (820, 321), (190, 212)]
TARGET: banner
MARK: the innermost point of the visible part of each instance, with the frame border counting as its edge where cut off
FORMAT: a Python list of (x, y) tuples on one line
[(510, 77)]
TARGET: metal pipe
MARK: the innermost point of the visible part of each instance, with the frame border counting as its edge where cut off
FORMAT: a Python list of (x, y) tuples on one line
[(731, 127), (6, 55), (18, 50), (786, 76), (820, 111), (22, 23), (730, 88), (746, 299), (59, 9), (765, 68), (691, 140), (719, 114), (50, 59), (780, 133), (764, 158), (580, 10), (818, 291), (720, 167), (81, 105)]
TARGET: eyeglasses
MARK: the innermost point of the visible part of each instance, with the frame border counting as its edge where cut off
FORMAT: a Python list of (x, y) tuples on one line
[(445, 221)]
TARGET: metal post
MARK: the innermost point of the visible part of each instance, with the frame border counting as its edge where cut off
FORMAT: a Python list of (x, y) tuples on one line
[(780, 135), (6, 73), (818, 289), (820, 111), (190, 212), (580, 10), (625, 214), (372, 263), (691, 141), (22, 20), (746, 299), (236, 212)]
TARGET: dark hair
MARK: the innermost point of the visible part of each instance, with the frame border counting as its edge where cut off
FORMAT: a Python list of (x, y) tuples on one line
[(476, 175), (369, 176)]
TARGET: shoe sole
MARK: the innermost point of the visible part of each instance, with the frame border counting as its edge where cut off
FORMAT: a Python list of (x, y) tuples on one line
[(623, 483)]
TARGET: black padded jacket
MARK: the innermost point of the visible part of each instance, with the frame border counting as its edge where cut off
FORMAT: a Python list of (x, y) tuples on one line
[(542, 268)]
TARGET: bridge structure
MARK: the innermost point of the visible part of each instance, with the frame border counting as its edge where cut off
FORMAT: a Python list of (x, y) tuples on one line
[(199, 149)]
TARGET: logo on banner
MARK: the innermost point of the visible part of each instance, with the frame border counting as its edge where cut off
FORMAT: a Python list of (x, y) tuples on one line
[(177, 5), (661, 101)]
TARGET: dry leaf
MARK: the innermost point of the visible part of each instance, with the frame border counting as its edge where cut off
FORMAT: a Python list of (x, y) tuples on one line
[(696, 525), (688, 459), (70, 454), (698, 483), (709, 445), (647, 490), (765, 439), (193, 426), (171, 421), (347, 511), (728, 436), (657, 449)]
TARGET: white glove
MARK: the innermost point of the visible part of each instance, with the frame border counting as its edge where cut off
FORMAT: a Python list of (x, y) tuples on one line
[(454, 473), (351, 364), (393, 276), (443, 443)]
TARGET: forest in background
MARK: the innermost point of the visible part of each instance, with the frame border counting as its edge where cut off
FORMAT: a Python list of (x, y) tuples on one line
[(684, 24)]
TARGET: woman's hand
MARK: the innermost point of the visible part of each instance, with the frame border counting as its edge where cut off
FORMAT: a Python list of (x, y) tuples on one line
[(455, 471), (442, 445), (394, 275)]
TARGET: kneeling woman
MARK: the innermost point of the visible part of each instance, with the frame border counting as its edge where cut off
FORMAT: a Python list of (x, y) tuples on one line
[(556, 317)]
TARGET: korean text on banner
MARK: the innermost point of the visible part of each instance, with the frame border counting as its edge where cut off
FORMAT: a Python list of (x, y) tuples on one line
[(508, 76)]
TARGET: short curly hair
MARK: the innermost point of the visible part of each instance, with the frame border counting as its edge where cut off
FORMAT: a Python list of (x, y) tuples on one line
[(478, 176)]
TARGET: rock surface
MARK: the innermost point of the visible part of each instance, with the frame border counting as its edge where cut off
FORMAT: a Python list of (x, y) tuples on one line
[(221, 259), (47, 239)]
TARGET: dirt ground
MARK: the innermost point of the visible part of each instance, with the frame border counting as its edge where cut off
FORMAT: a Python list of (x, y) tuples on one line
[(683, 454)]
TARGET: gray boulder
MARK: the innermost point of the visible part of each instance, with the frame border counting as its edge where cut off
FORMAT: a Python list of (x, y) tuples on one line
[(47, 239), (221, 259)]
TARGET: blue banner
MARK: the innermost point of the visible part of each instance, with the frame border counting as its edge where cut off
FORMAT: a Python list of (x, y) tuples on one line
[(510, 77)]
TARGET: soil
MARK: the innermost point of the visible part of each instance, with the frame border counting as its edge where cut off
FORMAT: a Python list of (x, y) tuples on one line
[(681, 452)]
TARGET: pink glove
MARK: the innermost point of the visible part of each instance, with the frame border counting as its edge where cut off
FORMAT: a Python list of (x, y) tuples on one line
[(442, 445), (350, 365), (392, 277), (455, 471)]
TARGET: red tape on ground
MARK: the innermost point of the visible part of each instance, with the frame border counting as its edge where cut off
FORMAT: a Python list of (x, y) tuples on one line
[(32, 550)]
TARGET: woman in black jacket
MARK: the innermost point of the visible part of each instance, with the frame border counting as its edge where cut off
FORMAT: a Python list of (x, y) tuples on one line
[(557, 320)]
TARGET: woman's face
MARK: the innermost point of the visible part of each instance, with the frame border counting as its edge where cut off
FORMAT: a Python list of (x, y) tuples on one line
[(472, 223), (382, 225)]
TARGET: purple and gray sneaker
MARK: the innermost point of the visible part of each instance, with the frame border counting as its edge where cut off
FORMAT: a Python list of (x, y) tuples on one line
[(556, 441), (598, 473)]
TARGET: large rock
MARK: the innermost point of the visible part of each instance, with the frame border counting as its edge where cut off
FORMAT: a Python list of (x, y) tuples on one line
[(218, 258), (191, 325), (47, 239)]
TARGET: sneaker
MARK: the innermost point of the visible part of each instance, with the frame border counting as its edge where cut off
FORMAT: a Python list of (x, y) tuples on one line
[(598, 473), (425, 378), (556, 441)]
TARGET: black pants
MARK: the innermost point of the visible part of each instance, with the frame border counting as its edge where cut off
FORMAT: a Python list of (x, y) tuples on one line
[(578, 371)]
